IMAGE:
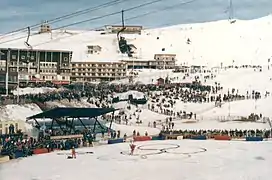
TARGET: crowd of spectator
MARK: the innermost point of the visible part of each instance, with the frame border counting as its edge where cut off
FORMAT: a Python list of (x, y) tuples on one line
[(211, 133)]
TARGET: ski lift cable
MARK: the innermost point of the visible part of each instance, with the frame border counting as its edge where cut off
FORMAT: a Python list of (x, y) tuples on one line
[(68, 16), (91, 19), (162, 9), (126, 19)]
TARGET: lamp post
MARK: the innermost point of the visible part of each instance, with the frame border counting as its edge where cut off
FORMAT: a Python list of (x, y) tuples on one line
[(18, 77), (7, 70)]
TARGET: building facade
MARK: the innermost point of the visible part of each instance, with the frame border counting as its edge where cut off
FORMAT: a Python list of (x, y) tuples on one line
[(160, 61), (35, 65), (128, 29), (97, 71), (137, 64), (165, 61), (94, 49), (18, 125)]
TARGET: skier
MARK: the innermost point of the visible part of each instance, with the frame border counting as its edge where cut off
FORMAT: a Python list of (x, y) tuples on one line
[(132, 148)]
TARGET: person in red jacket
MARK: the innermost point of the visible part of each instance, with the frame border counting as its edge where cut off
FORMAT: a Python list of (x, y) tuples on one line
[(132, 148), (73, 153)]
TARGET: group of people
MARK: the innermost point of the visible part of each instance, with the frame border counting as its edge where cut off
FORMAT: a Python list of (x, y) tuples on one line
[(265, 133), (14, 144), (163, 99)]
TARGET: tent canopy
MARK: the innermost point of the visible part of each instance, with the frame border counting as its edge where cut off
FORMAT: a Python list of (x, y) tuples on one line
[(72, 113)]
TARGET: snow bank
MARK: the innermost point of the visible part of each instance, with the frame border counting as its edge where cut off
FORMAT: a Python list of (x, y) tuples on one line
[(28, 90), (18, 112)]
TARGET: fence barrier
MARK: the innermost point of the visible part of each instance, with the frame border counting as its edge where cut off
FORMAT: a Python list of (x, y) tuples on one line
[(254, 138), (40, 151), (199, 137), (142, 138), (222, 137), (115, 141)]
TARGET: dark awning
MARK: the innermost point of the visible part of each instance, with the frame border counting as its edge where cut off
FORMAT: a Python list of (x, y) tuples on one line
[(72, 112)]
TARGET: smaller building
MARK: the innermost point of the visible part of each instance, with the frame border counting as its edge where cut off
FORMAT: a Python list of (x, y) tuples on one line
[(128, 29), (160, 81), (165, 61), (93, 49), (45, 28), (182, 69)]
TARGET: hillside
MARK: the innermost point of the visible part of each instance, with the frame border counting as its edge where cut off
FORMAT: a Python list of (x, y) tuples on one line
[(212, 43)]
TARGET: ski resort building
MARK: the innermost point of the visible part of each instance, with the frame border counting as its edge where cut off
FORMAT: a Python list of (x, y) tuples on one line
[(35, 65), (98, 71), (165, 61), (160, 61), (94, 49)]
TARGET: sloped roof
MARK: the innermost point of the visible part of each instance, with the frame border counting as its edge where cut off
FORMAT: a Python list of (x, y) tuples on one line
[(72, 112)]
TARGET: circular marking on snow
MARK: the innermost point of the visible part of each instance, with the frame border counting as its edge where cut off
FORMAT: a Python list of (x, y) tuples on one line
[(159, 147), (195, 150)]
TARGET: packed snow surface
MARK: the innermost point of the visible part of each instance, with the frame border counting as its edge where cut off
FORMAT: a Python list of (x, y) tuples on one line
[(175, 160)]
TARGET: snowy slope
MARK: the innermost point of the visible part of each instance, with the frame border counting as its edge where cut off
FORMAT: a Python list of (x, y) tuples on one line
[(213, 43), (18, 112), (201, 160)]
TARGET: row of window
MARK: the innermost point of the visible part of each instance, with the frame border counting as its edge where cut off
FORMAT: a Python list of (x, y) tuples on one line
[(99, 74), (54, 65), (48, 71), (14, 57), (55, 78), (99, 70), (166, 58), (30, 57), (98, 65)]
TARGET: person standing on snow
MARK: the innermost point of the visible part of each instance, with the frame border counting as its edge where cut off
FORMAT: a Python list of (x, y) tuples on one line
[(132, 148), (73, 153)]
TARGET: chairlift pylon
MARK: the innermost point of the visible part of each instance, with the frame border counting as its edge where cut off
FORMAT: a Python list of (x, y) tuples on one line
[(28, 36), (123, 46)]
